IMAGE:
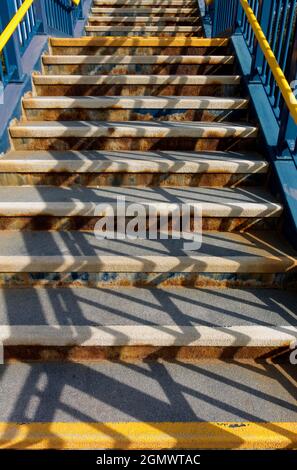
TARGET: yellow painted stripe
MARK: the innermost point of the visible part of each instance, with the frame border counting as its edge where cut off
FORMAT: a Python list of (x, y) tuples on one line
[(153, 435), (140, 41), (278, 74)]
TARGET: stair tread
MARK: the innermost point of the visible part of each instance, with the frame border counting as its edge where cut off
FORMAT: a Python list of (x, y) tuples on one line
[(133, 161), (214, 202), (149, 11), (147, 28), (138, 102), (78, 251), (149, 129), (148, 307), (107, 395), (134, 3), (137, 59), (137, 79), (146, 19), (139, 41)]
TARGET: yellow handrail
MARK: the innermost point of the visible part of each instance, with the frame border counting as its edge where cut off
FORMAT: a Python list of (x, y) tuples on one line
[(276, 70), (16, 20)]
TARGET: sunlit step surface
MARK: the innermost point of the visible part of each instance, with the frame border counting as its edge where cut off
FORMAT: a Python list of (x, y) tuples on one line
[(213, 202), (155, 162), (139, 102), (142, 19), (142, 10), (136, 129), (191, 80), (221, 252), (144, 29), (175, 307), (140, 42), (138, 59), (140, 3)]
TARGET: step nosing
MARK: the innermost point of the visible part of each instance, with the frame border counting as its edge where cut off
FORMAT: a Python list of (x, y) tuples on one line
[(130, 102), (138, 79), (100, 10), (136, 59), (141, 18), (143, 28), (137, 129), (155, 335), (152, 41), (221, 202), (152, 162)]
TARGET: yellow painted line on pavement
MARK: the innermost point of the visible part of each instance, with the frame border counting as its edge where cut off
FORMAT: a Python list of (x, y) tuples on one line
[(154, 435)]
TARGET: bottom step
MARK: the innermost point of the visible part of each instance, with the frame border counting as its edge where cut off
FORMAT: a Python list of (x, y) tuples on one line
[(148, 406)]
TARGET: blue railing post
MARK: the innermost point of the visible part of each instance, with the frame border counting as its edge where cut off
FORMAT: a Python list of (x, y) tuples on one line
[(11, 53)]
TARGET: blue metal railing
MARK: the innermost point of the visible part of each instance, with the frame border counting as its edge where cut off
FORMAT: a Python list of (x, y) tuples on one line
[(278, 20), (57, 17), (61, 15), (222, 16), (28, 27)]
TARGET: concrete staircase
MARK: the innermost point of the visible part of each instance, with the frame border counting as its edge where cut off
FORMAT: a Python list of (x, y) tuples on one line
[(197, 342)]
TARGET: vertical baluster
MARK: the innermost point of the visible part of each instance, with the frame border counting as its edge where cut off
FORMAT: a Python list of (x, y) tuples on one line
[(279, 48), (288, 128), (256, 47), (270, 18), (273, 43), (283, 59)]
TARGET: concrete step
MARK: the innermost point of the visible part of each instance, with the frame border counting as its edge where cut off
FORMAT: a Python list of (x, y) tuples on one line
[(131, 129), (126, 108), (139, 42), (142, 19), (119, 59), (141, 102), (221, 252), (135, 11), (211, 405), (213, 202), (208, 308), (133, 162), (95, 168), (202, 318), (130, 64), (193, 80), (136, 85), (145, 46), (141, 3), (160, 30), (102, 135)]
